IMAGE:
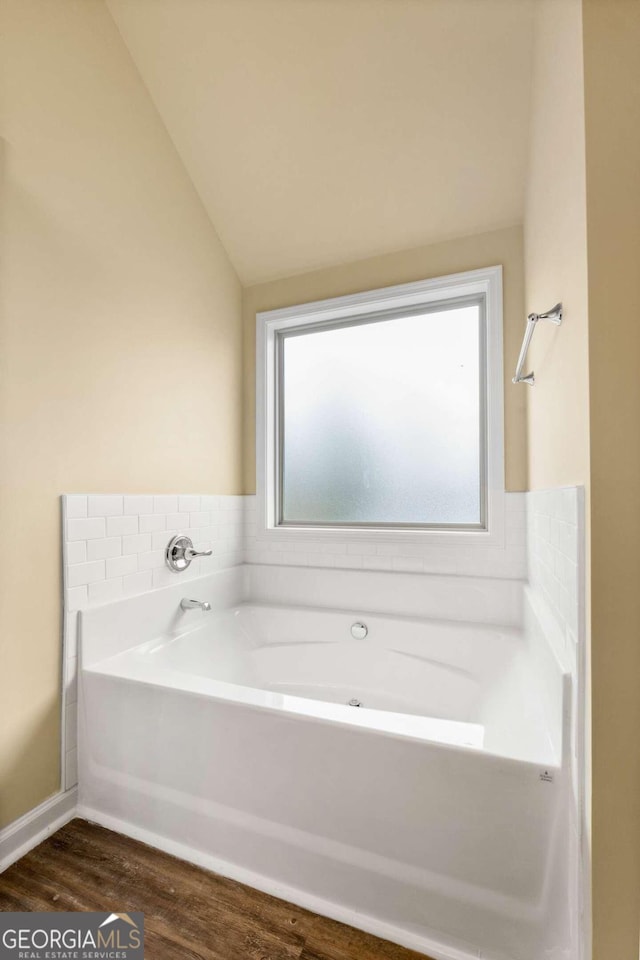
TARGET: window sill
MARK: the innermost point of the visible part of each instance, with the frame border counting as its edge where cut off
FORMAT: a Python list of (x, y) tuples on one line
[(493, 536)]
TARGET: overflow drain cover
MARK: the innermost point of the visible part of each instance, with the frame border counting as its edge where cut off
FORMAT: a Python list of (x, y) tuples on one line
[(354, 702)]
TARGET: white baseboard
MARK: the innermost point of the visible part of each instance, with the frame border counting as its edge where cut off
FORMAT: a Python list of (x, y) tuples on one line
[(28, 831), (308, 901)]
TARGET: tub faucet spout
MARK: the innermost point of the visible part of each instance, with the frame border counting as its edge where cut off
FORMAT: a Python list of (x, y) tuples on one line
[(194, 604)]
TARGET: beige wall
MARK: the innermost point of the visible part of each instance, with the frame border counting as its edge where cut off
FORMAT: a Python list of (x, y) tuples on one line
[(555, 234), (467, 253), (120, 347), (556, 251), (582, 245), (334, 146), (612, 98)]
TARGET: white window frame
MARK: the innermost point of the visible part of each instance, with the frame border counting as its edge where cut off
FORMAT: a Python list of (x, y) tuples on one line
[(486, 284)]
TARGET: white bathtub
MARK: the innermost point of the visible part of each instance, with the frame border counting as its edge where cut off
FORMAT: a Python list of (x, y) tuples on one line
[(432, 814)]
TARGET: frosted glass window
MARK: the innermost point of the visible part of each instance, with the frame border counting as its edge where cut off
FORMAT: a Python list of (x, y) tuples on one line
[(381, 422)]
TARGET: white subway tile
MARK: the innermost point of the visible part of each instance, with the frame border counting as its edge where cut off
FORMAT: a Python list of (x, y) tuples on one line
[(335, 547), (229, 523), (567, 506), (560, 566), (389, 549), (155, 521), (569, 544), (290, 559), (259, 556), (75, 506), (232, 503), (142, 527), (277, 546), (555, 532), (189, 504), (309, 546), (161, 538), (122, 566), (361, 549), (76, 598), (447, 562), (420, 549), (105, 505), (138, 504), (101, 549), (553, 563), (82, 573), (167, 503), (151, 559), (304, 559), (351, 563), (137, 583), (90, 529), (317, 560), (106, 591), (543, 527), (209, 533), (516, 503), (76, 551), (208, 565), (177, 521), (199, 519), (554, 502), (140, 543), (163, 577), (408, 564), (377, 563), (516, 535), (122, 526)]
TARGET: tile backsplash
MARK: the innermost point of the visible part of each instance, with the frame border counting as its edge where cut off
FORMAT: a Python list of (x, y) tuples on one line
[(505, 562), (555, 614), (556, 611), (113, 547), (554, 552)]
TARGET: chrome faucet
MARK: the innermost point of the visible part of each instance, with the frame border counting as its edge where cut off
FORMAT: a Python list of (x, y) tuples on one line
[(194, 604)]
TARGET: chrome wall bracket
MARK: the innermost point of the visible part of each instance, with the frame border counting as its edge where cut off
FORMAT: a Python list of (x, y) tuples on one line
[(180, 553), (553, 316)]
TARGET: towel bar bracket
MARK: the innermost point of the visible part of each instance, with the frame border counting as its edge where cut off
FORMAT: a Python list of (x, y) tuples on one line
[(553, 316)]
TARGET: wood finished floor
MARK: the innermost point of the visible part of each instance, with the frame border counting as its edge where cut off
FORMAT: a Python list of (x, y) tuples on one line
[(189, 913)]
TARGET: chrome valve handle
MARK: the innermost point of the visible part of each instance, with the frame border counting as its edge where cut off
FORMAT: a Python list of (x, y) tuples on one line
[(180, 553)]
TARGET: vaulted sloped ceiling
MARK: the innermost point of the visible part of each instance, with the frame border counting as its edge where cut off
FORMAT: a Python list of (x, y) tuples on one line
[(322, 131)]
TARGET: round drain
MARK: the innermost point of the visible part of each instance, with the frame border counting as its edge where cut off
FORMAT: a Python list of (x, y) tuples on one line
[(359, 631), (354, 702)]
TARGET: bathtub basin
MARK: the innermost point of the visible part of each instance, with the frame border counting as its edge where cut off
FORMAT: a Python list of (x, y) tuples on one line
[(430, 814)]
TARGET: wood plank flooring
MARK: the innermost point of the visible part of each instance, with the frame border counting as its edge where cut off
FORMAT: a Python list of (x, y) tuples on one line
[(189, 913)]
